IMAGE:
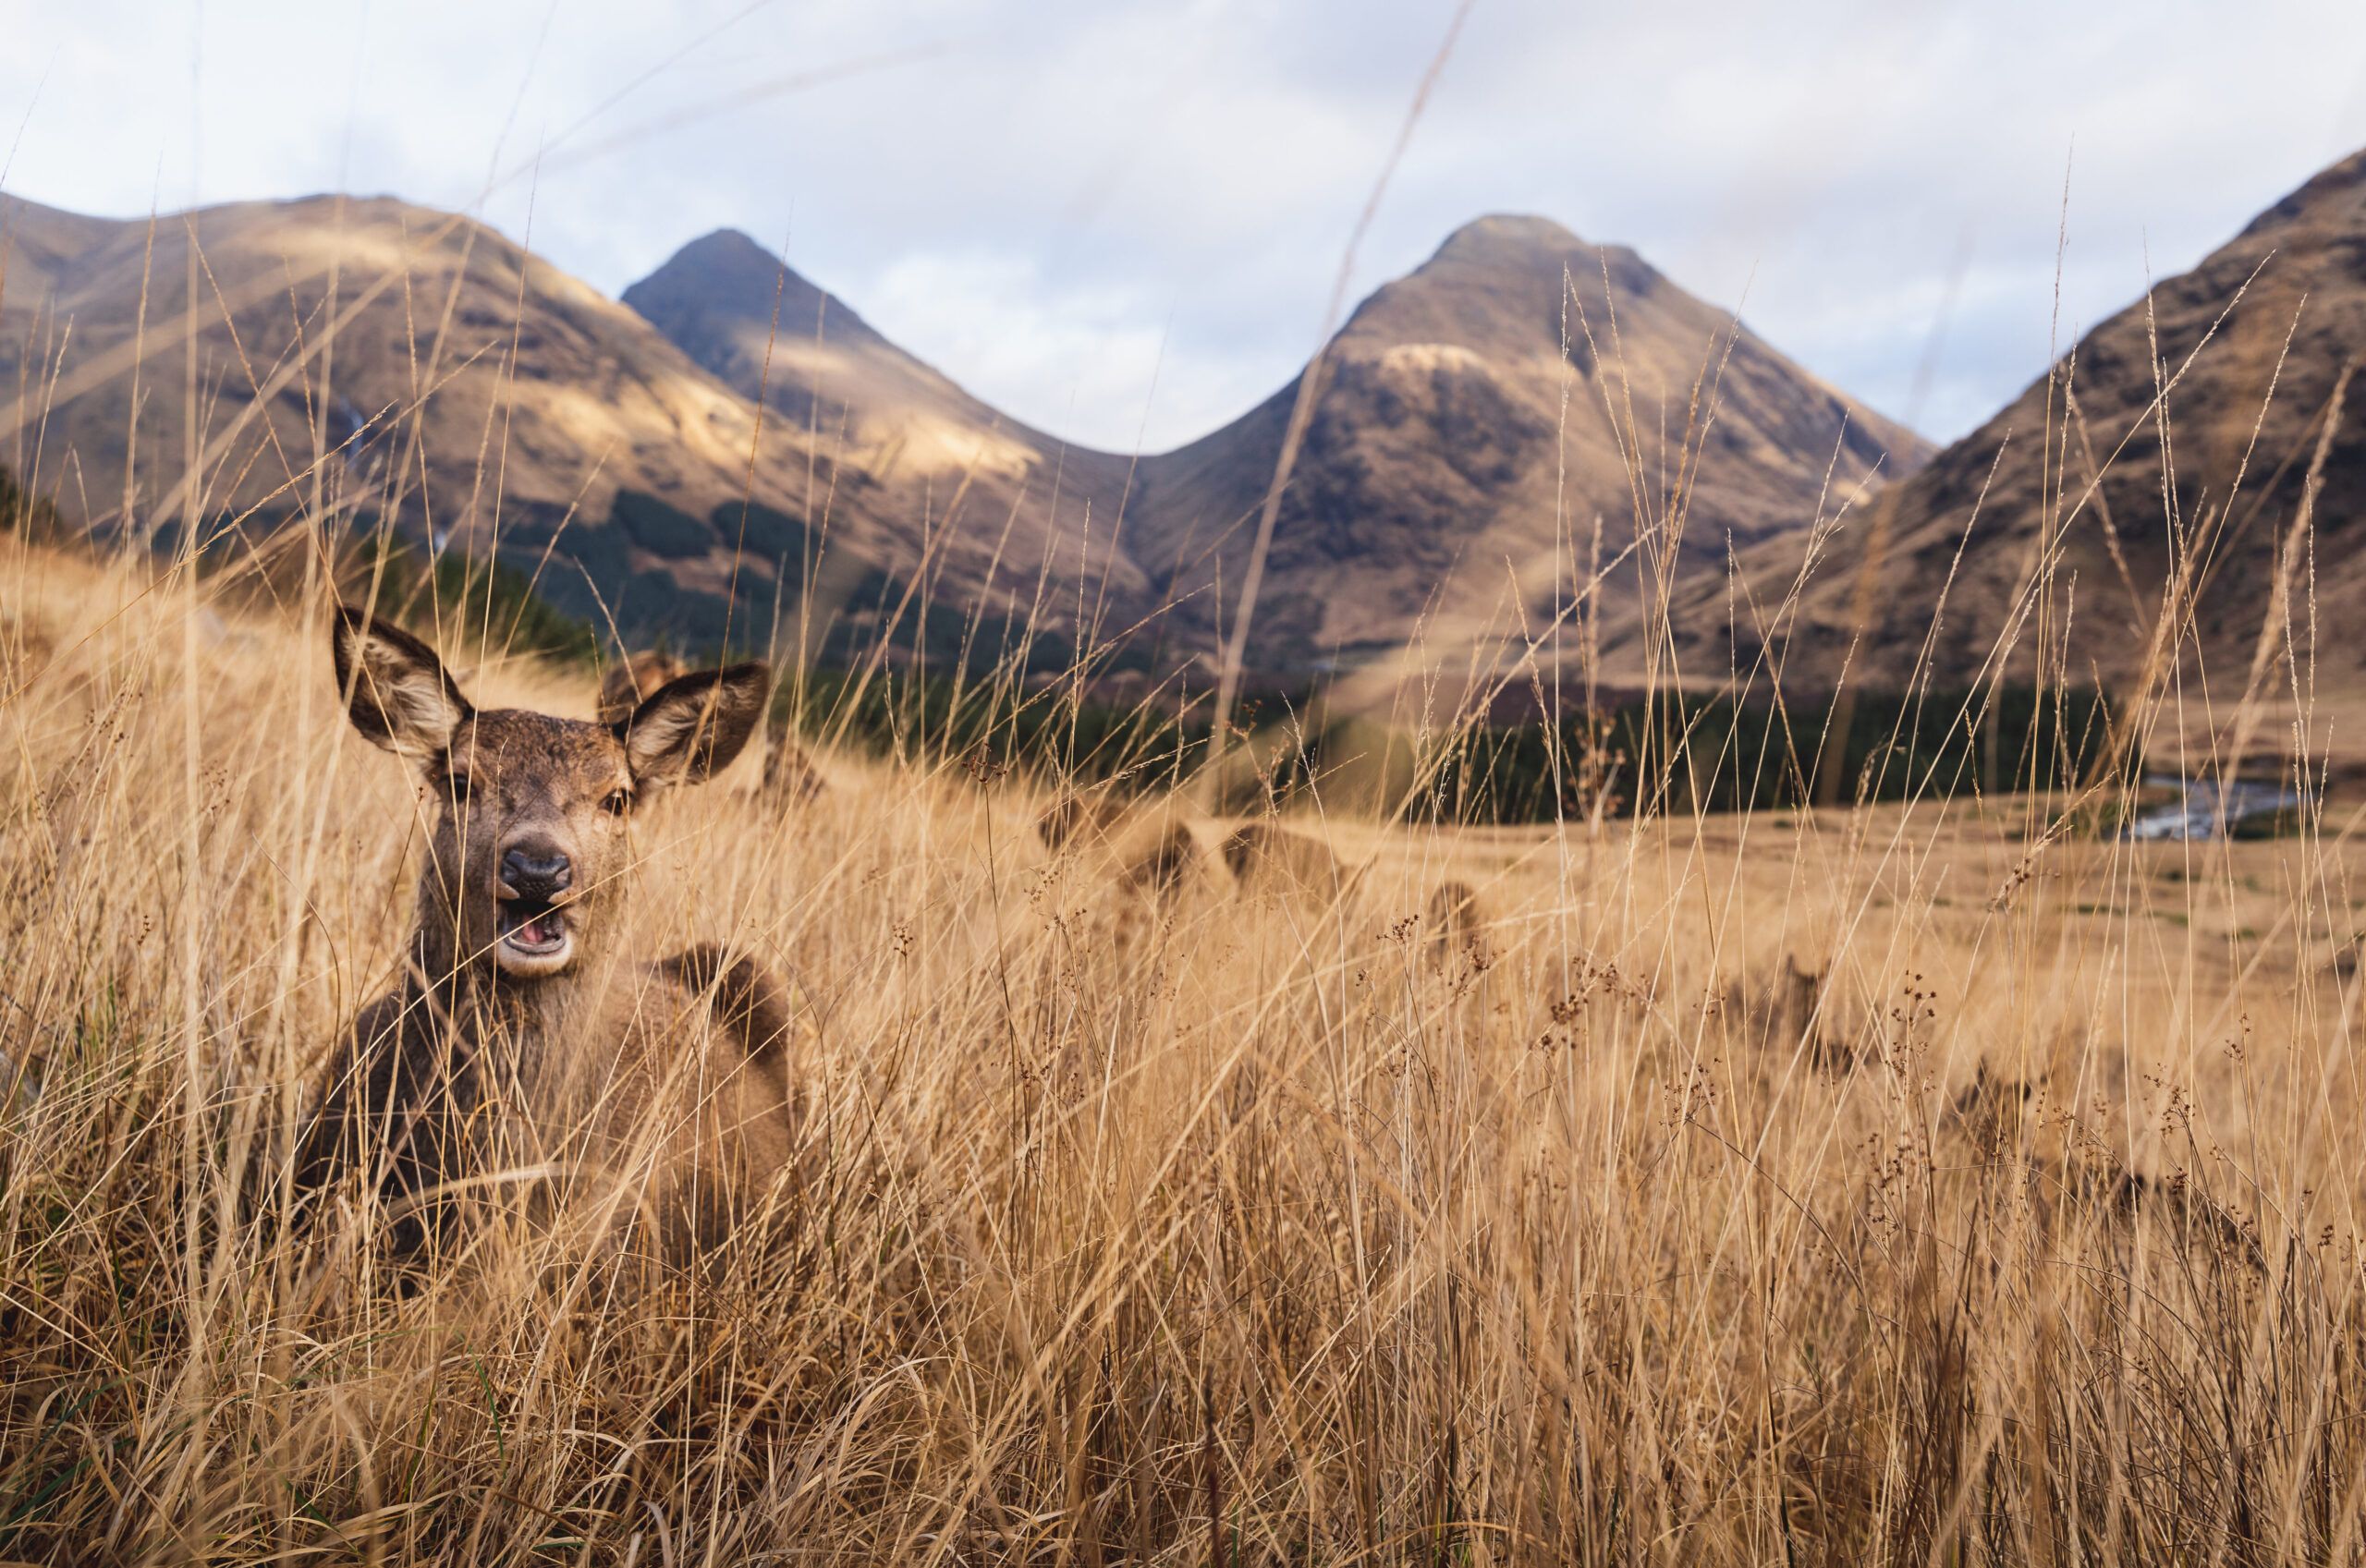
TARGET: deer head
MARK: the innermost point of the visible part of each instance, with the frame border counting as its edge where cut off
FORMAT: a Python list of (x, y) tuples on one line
[(534, 813)]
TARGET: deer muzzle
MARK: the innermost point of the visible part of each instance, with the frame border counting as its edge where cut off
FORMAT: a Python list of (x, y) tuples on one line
[(536, 928)]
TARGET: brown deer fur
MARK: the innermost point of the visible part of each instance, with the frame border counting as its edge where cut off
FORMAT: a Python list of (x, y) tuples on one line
[(1266, 859), (789, 774), (518, 1048)]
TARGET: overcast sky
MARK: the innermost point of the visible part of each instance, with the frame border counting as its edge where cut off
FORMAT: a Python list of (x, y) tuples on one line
[(1050, 200)]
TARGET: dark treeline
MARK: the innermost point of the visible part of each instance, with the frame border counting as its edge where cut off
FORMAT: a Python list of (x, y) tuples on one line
[(23, 512), (1050, 733), (890, 672), (1668, 756), (451, 594), (884, 670), (1679, 754)]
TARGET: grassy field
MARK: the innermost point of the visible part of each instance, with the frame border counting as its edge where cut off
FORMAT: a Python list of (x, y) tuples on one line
[(1908, 1184)]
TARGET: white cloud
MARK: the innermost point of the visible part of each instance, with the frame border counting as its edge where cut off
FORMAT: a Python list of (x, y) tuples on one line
[(1034, 196), (993, 316)]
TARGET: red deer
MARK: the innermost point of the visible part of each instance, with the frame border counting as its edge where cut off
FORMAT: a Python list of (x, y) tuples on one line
[(1267, 859), (1453, 918), (517, 1040), (1170, 864), (1077, 817)]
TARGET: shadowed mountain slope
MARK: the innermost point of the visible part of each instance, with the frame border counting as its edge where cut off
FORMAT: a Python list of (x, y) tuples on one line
[(1453, 435), (417, 364), (376, 358), (1476, 416), (2061, 524)]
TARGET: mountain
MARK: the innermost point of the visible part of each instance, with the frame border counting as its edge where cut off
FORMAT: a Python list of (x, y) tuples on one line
[(1437, 450), (419, 364), (1477, 415), (753, 322), (688, 454), (749, 319), (407, 359), (2079, 509)]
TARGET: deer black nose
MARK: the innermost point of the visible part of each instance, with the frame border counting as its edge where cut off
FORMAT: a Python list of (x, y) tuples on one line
[(535, 870)]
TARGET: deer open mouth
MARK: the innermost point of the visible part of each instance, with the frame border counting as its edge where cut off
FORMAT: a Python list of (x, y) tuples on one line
[(536, 937)]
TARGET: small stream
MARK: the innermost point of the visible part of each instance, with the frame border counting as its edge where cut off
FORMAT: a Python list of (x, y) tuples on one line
[(2194, 810)]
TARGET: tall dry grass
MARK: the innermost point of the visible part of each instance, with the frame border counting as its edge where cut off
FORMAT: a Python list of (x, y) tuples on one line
[(1885, 1186), (1923, 1183)]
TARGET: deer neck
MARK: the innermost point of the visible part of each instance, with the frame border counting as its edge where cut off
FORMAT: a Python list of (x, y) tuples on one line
[(509, 1028)]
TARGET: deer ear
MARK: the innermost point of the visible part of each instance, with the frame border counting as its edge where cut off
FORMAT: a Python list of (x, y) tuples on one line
[(395, 690), (692, 726)]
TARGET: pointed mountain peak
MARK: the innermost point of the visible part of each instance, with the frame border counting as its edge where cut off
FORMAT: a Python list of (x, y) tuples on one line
[(727, 275), (1496, 285), (729, 255), (1505, 256)]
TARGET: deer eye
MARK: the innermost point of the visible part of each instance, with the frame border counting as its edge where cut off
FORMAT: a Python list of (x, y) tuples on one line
[(616, 802), (456, 784)]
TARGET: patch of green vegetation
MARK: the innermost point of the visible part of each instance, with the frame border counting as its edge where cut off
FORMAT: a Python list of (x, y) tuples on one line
[(23, 512), (452, 592), (602, 549), (227, 536), (834, 609), (2286, 823), (1681, 754), (889, 712), (690, 616), (662, 530), (766, 532)]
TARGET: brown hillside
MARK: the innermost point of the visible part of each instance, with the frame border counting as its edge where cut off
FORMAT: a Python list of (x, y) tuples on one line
[(2074, 544), (466, 385), (417, 363), (1440, 466), (1431, 461), (741, 313)]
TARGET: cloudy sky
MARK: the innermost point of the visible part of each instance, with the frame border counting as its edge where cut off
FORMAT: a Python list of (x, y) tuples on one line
[(1120, 218)]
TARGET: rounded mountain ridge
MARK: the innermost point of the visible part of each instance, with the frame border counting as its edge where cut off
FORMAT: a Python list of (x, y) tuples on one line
[(1505, 231)]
